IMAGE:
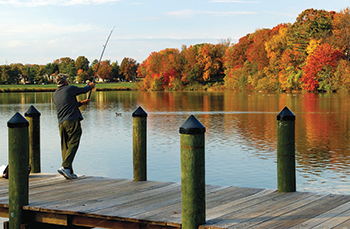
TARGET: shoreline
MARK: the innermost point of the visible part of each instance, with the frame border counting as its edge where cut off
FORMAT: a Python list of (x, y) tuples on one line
[(53, 87)]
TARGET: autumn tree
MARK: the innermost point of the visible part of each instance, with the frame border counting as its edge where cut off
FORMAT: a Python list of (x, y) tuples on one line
[(161, 70), (103, 70), (128, 68), (82, 67), (192, 70), (275, 47), (257, 56), (310, 24), (343, 74), (82, 76), (318, 73), (210, 59), (234, 59), (341, 31)]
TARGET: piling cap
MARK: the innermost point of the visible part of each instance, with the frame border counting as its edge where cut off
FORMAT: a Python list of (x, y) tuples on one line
[(192, 126), (17, 121), (286, 115), (32, 112), (139, 112)]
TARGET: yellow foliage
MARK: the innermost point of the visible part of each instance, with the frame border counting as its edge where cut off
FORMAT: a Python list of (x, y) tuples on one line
[(313, 44), (274, 47)]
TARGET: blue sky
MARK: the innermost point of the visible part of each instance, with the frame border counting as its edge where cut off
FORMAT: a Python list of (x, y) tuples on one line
[(41, 31)]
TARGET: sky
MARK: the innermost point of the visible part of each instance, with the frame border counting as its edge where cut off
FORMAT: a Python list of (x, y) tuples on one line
[(41, 31)]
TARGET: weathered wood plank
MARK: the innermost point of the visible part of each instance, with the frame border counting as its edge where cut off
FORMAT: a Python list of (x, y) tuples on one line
[(270, 216), (137, 191), (119, 203), (129, 205), (345, 224), (329, 219), (57, 219), (69, 191), (103, 223), (62, 199), (306, 212), (225, 208), (254, 209)]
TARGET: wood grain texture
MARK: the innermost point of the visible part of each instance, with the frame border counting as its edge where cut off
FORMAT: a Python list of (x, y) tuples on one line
[(120, 203)]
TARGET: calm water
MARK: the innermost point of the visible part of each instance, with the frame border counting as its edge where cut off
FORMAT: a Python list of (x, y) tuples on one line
[(240, 138)]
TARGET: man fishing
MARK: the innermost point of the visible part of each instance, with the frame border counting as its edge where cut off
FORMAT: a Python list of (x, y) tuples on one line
[(69, 117)]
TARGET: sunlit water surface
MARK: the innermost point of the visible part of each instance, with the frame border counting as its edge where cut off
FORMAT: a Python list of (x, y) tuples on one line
[(241, 131)]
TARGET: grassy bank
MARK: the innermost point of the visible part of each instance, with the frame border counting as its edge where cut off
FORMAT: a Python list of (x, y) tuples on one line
[(52, 87)]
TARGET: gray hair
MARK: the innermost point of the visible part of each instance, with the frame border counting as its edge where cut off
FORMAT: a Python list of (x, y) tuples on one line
[(60, 79)]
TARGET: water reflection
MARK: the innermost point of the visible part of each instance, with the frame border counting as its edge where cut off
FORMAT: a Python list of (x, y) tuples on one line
[(240, 138)]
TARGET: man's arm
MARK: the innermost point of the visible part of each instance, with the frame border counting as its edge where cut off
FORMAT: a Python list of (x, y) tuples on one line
[(84, 102), (83, 90)]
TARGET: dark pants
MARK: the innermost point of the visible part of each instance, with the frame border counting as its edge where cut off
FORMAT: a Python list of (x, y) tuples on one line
[(70, 132)]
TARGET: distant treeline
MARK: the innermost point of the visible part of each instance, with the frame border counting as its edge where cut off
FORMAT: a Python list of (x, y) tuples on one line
[(79, 70), (312, 54)]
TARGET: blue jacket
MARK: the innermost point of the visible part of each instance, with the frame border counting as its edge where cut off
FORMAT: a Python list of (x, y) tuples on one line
[(66, 102)]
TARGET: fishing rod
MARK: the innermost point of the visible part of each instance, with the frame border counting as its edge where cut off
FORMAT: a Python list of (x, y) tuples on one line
[(98, 64)]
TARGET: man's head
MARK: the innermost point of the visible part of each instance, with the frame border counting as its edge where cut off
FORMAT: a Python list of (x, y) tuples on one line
[(61, 79)]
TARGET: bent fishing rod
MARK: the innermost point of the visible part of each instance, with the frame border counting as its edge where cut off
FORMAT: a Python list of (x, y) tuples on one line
[(98, 64)]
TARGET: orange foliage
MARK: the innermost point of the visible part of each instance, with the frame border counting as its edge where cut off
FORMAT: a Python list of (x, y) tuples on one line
[(299, 56), (324, 58), (160, 67), (104, 71)]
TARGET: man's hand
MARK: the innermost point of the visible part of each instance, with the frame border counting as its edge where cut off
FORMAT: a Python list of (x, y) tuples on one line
[(85, 102), (92, 85)]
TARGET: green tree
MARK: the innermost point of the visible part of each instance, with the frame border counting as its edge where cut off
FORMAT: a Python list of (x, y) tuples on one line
[(115, 72), (82, 63), (28, 74), (66, 65), (10, 74), (310, 24), (51, 68)]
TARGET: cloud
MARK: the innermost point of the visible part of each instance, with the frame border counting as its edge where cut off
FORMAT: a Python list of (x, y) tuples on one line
[(46, 28), (34, 3)]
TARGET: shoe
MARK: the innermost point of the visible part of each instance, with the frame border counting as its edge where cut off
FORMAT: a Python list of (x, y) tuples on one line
[(74, 176), (65, 172)]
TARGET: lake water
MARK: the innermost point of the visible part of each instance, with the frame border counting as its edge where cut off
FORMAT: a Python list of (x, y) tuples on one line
[(241, 131)]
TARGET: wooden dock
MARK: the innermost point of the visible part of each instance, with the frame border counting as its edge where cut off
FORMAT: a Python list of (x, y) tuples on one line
[(119, 203)]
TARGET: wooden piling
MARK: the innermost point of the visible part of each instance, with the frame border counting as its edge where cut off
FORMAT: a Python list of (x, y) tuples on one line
[(18, 146), (139, 123), (33, 117), (192, 143), (286, 181)]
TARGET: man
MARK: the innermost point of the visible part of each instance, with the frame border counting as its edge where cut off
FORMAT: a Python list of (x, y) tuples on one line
[(69, 117)]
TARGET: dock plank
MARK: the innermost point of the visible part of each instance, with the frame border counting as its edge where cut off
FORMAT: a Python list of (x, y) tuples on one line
[(121, 203), (270, 216), (300, 215), (253, 209), (329, 219)]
